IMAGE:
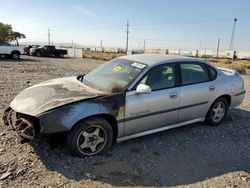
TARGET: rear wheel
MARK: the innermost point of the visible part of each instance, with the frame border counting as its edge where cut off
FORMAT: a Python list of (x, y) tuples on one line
[(217, 112), (90, 137)]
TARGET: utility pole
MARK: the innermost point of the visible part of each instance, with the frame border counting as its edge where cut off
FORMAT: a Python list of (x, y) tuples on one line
[(48, 36), (73, 49), (218, 48), (200, 48), (127, 32), (144, 46), (231, 45)]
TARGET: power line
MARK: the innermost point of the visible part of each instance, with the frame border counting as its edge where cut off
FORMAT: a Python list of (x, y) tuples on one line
[(127, 32)]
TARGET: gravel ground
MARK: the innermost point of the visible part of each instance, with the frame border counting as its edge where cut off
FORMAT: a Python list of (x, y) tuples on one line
[(192, 156)]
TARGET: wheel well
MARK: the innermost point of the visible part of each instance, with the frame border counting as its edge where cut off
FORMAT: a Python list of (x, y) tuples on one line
[(15, 51), (227, 97), (108, 118)]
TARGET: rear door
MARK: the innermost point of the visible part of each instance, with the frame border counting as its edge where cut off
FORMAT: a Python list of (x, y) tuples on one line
[(144, 112), (197, 90), (52, 50), (45, 50)]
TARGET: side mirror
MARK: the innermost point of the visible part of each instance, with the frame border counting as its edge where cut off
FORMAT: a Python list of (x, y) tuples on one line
[(143, 89)]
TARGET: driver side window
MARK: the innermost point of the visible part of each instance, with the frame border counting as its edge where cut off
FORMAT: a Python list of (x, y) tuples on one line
[(160, 77)]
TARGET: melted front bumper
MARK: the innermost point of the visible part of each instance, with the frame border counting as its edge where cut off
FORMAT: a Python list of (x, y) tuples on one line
[(19, 123)]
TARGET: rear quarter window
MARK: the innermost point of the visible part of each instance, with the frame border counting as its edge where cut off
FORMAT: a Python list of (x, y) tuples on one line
[(212, 72)]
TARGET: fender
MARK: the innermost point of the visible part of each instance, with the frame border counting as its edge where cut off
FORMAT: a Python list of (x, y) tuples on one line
[(64, 118)]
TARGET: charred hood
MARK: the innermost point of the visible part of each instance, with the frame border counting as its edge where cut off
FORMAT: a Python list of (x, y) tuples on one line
[(51, 94)]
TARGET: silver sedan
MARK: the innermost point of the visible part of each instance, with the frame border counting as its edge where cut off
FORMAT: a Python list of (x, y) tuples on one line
[(127, 97)]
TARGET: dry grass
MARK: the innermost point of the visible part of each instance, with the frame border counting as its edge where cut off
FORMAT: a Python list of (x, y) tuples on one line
[(101, 55), (242, 66)]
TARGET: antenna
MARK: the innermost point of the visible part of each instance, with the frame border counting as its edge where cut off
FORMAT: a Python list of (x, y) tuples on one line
[(231, 45)]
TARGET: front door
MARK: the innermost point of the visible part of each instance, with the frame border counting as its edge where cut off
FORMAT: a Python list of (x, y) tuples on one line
[(159, 108)]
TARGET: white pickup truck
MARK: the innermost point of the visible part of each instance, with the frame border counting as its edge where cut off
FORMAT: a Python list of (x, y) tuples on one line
[(11, 51)]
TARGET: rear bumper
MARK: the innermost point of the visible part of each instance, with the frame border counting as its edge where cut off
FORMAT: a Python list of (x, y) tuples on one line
[(237, 99), (21, 124), (240, 93)]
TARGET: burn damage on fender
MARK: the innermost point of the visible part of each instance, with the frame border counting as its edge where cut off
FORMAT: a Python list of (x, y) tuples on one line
[(65, 117), (57, 105)]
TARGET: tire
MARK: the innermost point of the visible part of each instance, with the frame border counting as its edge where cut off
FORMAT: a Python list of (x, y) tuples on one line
[(215, 114), (61, 55), (15, 55), (38, 54), (85, 139)]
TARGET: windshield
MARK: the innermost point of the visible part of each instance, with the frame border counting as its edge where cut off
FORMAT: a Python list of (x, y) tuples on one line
[(115, 75)]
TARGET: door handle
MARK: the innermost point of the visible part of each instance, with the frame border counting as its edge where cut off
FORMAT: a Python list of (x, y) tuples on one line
[(173, 95), (212, 87)]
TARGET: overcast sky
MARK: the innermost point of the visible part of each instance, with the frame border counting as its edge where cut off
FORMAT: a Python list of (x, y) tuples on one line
[(171, 24)]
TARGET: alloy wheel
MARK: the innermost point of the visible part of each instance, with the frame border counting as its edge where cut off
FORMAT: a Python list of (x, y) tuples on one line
[(218, 111), (91, 140)]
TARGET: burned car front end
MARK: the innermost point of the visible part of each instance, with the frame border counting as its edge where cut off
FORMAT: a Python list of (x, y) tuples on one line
[(32, 112), (27, 126)]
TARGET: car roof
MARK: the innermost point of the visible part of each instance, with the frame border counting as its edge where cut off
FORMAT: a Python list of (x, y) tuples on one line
[(152, 59)]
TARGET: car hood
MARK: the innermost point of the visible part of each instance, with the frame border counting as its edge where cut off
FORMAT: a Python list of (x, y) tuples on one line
[(51, 94)]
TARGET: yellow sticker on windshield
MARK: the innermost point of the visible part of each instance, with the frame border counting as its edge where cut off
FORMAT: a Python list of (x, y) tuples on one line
[(117, 68)]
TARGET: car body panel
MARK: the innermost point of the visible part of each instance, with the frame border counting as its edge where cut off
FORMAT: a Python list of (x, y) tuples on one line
[(65, 117), (51, 94), (150, 111), (8, 49), (197, 98)]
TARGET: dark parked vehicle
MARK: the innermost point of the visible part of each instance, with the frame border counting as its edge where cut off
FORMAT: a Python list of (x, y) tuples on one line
[(49, 51)]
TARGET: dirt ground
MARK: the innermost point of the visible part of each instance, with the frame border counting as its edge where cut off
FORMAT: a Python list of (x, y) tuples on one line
[(192, 156)]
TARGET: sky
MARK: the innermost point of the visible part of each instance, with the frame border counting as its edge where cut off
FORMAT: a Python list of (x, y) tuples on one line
[(171, 24)]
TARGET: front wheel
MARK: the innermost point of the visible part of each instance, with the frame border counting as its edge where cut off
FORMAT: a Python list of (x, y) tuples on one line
[(61, 55), (217, 112), (15, 55), (90, 137), (38, 54)]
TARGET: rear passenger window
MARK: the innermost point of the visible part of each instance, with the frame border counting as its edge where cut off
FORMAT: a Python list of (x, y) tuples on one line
[(192, 73)]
